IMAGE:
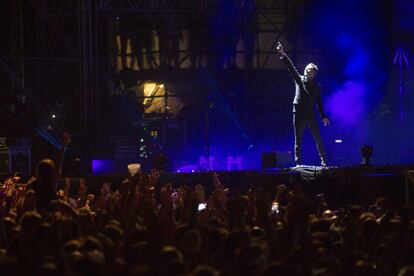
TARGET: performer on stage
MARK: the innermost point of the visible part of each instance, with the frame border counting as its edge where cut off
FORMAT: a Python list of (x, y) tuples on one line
[(308, 93)]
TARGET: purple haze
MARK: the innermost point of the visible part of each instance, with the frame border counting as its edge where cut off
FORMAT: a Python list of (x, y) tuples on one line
[(346, 105)]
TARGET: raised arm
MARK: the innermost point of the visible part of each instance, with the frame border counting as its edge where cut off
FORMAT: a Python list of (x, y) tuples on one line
[(286, 60), (60, 155)]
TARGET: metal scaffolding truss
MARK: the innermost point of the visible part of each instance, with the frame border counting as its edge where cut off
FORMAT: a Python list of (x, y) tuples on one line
[(51, 38), (274, 20), (269, 6), (194, 6), (53, 54)]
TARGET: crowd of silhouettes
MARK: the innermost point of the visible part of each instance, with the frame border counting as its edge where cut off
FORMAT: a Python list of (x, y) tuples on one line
[(144, 227), (214, 29)]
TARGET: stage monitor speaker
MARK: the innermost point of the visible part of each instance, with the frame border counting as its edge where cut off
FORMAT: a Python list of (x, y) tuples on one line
[(272, 160)]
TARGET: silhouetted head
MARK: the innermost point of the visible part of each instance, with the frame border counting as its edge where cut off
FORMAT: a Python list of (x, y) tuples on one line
[(30, 220), (45, 170)]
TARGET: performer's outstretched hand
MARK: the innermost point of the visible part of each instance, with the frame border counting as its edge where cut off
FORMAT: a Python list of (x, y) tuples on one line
[(326, 122), (280, 49)]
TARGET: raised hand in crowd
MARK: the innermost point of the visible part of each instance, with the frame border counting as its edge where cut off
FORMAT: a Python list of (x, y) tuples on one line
[(220, 192), (89, 200), (103, 199), (105, 190), (81, 196), (153, 178), (166, 198), (66, 139), (166, 216), (200, 193), (66, 187)]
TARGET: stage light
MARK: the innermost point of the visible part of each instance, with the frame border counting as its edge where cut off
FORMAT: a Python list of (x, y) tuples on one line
[(338, 141), (366, 152), (53, 116)]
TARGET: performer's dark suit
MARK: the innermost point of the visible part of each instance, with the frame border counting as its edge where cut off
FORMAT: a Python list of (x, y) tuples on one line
[(308, 93)]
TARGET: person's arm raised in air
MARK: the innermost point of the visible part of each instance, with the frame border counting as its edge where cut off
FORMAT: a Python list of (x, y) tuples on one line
[(59, 157), (286, 60)]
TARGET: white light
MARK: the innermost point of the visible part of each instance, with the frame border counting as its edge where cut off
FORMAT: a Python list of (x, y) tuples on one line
[(192, 170), (338, 141), (142, 139), (53, 116)]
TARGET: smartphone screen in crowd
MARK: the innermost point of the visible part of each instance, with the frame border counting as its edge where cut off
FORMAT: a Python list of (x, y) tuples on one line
[(275, 207), (201, 206)]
